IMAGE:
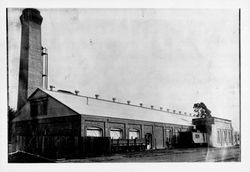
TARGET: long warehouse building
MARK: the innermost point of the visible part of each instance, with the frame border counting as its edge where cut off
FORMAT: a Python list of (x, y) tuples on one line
[(50, 112)]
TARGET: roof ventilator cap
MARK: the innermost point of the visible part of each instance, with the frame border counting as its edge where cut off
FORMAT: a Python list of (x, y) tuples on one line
[(77, 92), (51, 87)]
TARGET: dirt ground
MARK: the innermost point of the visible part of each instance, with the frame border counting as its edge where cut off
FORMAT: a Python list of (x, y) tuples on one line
[(170, 155)]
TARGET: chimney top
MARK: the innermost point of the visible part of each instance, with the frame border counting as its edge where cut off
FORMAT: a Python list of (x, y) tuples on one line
[(152, 107), (31, 14), (128, 102), (113, 99), (141, 104)]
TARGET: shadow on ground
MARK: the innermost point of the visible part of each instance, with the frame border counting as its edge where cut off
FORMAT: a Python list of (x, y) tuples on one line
[(24, 157)]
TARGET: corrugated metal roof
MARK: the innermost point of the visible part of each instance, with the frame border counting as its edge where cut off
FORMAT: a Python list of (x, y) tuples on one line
[(97, 107)]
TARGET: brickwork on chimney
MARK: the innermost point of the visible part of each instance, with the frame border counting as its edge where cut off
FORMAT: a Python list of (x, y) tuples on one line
[(31, 63)]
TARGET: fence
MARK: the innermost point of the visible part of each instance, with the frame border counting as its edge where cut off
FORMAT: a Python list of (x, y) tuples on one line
[(127, 145), (56, 147)]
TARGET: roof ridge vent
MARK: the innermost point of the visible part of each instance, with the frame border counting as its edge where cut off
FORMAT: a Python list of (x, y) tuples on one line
[(51, 87), (76, 92), (97, 96)]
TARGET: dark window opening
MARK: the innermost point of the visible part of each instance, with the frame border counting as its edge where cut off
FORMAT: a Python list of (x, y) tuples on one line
[(197, 136), (38, 107)]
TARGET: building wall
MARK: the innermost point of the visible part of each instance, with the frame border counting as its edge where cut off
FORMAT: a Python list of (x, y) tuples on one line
[(221, 133), (158, 130), (57, 126), (54, 119), (53, 108)]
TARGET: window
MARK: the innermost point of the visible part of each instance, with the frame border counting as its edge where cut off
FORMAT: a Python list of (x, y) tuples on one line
[(38, 107), (225, 136), (197, 136), (221, 136), (229, 136), (218, 136), (115, 133), (94, 132), (33, 109), (133, 134), (176, 135), (168, 135)]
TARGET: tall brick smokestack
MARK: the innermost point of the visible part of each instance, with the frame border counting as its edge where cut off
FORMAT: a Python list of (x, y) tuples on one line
[(31, 62)]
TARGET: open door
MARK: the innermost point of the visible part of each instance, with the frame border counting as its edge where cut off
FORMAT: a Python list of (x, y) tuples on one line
[(148, 138)]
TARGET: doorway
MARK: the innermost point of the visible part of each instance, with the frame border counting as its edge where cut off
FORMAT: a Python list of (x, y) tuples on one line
[(148, 139)]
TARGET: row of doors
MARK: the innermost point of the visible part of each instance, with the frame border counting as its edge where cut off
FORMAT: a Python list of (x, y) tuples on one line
[(172, 138)]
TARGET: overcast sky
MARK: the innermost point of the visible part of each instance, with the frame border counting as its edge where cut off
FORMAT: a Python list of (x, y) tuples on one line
[(162, 57)]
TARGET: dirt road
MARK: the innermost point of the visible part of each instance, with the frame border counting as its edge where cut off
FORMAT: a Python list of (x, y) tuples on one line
[(172, 155)]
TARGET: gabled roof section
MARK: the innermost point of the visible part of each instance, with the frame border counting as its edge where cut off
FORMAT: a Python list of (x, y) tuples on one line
[(98, 107)]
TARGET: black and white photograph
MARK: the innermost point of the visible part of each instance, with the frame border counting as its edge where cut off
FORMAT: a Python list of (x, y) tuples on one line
[(121, 87)]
